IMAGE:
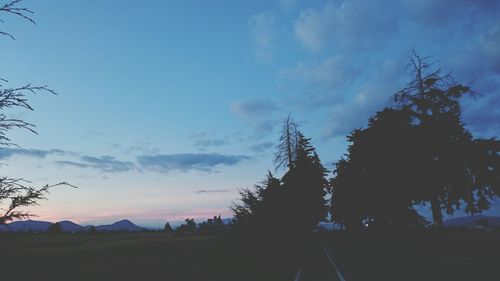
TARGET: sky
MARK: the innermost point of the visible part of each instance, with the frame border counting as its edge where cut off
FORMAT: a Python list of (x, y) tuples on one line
[(166, 108)]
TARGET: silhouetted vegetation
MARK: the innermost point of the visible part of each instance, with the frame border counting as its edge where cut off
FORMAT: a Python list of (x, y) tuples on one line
[(188, 228), (92, 230), (168, 228), (294, 204), (418, 152), (16, 193), (212, 226), (54, 228)]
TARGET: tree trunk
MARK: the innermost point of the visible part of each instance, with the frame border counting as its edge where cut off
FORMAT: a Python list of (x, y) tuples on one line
[(289, 143), (436, 213)]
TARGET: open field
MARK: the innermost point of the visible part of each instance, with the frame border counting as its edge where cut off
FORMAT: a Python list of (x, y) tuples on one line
[(139, 256), (447, 255)]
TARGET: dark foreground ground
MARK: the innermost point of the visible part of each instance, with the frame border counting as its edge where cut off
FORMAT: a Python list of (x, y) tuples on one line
[(143, 256), (430, 255), (448, 255)]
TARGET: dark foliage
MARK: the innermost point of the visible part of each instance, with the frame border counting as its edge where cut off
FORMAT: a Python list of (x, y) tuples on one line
[(213, 226), (11, 8), (288, 146), (168, 228), (292, 205), (373, 184), (188, 228), (54, 228), (417, 153)]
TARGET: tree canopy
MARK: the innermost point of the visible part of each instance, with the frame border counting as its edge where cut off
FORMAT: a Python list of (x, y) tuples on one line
[(417, 153), (296, 202)]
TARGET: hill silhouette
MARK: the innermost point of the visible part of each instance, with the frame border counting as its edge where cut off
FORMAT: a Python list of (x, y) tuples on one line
[(68, 226)]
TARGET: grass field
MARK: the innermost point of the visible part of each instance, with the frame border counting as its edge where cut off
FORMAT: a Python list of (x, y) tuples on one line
[(446, 255), (139, 256)]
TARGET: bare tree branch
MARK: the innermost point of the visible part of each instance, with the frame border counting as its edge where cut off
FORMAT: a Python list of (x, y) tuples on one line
[(16, 193), (11, 8)]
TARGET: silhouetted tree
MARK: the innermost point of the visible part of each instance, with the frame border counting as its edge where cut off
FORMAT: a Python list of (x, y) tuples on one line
[(305, 187), (451, 163), (168, 228), (417, 153), (287, 147), (214, 225), (374, 182), (92, 229), (189, 227), (54, 228), (254, 206), (296, 203), (16, 193)]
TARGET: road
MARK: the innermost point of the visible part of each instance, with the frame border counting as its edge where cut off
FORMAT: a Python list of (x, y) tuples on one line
[(319, 264)]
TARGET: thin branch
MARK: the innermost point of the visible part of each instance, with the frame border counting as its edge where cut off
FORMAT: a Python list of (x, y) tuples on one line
[(11, 8)]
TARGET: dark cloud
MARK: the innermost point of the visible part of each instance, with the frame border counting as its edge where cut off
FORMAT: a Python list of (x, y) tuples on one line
[(482, 115), (210, 142), (345, 75), (261, 147), (102, 163), (372, 95), (207, 162), (202, 191), (324, 82), (448, 12), (207, 139), (6, 153), (257, 113), (256, 108), (263, 128), (92, 134)]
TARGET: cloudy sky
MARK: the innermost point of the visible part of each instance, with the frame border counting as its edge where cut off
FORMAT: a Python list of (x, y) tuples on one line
[(166, 108)]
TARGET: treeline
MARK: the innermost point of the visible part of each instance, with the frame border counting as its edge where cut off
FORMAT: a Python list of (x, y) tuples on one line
[(211, 226), (415, 153)]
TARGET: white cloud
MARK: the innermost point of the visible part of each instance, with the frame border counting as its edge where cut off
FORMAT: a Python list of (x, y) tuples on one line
[(256, 108), (490, 43), (325, 81), (313, 27), (373, 94), (352, 24), (262, 32), (331, 72), (258, 113), (356, 35)]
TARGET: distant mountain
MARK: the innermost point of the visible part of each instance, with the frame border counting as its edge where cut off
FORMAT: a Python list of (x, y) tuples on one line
[(27, 226), (123, 225), (67, 226), (471, 221)]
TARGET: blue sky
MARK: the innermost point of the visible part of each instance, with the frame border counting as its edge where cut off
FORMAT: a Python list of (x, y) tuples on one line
[(166, 108)]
